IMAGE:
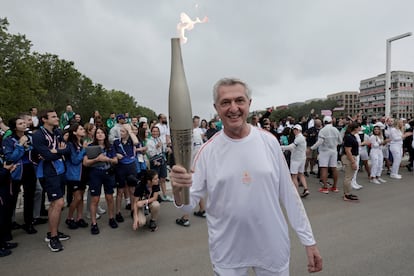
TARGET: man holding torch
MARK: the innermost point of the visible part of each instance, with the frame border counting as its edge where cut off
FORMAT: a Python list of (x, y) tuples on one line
[(242, 169)]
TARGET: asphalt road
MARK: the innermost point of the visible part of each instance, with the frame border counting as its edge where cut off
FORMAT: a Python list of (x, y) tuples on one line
[(372, 237)]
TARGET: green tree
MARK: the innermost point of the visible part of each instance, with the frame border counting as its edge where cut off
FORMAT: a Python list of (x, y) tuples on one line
[(19, 83)]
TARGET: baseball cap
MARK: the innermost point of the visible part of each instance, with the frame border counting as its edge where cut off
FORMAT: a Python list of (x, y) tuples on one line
[(380, 125), (327, 119), (120, 117), (297, 126), (143, 119)]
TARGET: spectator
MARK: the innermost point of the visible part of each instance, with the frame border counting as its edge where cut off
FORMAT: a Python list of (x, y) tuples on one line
[(328, 140), (115, 132), (349, 159), (75, 176), (17, 149), (211, 129), (145, 201), (50, 146), (111, 121), (298, 159), (125, 151), (66, 116), (157, 159), (101, 173)]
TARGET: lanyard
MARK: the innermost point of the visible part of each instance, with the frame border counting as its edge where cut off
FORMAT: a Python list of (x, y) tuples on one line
[(51, 140)]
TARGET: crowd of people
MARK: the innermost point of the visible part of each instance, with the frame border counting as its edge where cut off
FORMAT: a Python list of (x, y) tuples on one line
[(357, 143), (50, 156)]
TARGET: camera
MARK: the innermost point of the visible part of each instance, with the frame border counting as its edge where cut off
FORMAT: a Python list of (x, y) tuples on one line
[(146, 209), (28, 133)]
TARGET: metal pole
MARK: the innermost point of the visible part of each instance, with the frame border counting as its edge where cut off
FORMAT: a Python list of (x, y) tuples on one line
[(388, 72), (388, 81)]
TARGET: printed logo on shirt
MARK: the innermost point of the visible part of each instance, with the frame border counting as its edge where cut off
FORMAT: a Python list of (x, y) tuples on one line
[(246, 179)]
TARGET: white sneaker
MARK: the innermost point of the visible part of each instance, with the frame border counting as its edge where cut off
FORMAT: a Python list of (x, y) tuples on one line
[(396, 176), (100, 210), (356, 186), (381, 180), (88, 216), (168, 198), (375, 181)]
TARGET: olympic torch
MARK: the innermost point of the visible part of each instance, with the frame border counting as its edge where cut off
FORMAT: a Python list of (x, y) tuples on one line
[(180, 114)]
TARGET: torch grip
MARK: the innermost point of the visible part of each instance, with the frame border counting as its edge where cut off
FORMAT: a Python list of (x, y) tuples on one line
[(181, 144)]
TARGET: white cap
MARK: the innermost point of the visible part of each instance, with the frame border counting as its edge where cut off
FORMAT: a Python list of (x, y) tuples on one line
[(297, 126), (327, 119), (143, 119), (380, 125)]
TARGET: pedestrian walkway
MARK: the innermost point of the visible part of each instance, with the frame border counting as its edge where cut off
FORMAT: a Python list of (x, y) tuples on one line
[(372, 237)]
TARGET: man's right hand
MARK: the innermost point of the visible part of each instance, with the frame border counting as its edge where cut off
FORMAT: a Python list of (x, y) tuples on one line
[(180, 177)]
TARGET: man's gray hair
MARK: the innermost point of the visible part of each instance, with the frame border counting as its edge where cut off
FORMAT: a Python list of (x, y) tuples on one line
[(229, 82)]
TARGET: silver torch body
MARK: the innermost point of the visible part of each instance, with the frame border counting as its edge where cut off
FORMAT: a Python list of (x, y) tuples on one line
[(180, 113)]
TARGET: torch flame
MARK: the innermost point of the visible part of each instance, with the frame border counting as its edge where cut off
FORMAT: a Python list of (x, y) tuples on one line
[(186, 23)]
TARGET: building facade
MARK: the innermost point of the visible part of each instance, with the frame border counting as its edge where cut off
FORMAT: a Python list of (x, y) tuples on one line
[(372, 95), (347, 101)]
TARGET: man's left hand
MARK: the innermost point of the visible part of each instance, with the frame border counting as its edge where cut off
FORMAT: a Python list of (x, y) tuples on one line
[(314, 259)]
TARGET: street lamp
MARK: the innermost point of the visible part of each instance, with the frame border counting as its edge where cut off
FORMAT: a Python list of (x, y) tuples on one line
[(388, 73)]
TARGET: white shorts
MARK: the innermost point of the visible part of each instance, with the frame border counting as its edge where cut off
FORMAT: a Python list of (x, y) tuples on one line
[(328, 159), (244, 271), (297, 166), (363, 154)]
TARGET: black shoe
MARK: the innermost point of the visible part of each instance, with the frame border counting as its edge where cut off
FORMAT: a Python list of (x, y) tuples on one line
[(183, 222), (55, 245), (5, 252), (82, 223), (312, 172), (351, 197), (16, 226), (94, 229), (11, 245), (29, 229), (409, 168), (305, 193), (61, 236), (306, 174), (201, 214), (153, 225), (128, 206), (71, 223), (113, 223), (37, 221), (119, 217)]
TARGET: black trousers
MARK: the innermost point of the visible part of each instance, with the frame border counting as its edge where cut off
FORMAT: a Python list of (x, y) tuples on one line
[(29, 186), (6, 209)]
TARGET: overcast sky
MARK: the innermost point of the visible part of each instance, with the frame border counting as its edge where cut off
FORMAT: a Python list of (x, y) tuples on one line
[(287, 51)]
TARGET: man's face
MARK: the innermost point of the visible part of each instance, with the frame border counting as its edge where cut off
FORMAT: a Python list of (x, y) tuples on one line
[(163, 119), (52, 119), (196, 122), (68, 108), (34, 111), (232, 106), (28, 120), (77, 118)]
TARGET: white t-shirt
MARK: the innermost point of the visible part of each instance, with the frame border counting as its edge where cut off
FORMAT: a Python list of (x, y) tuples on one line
[(297, 148), (197, 140), (247, 180)]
